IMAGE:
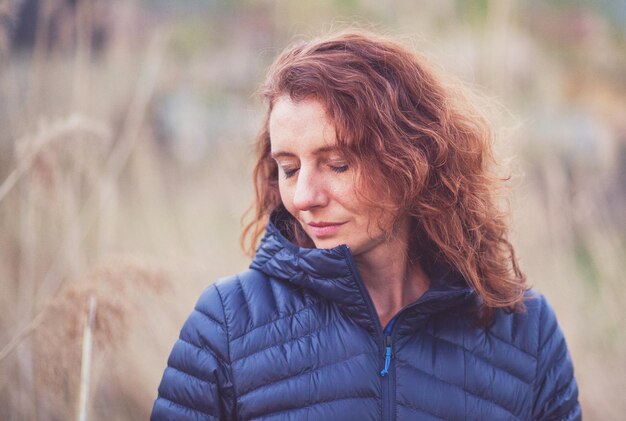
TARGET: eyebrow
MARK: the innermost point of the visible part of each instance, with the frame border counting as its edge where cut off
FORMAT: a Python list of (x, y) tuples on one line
[(319, 151)]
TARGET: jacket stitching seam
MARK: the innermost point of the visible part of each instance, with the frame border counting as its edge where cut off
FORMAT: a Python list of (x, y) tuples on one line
[(247, 392), (187, 408), (245, 300), (558, 393), (491, 334), (483, 359), (573, 410), (207, 351), (464, 375), (210, 382), (229, 366), (212, 319), (457, 387), (316, 330), (313, 404), (557, 362), (514, 328), (393, 390), (539, 329), (271, 321), (271, 285), (422, 410)]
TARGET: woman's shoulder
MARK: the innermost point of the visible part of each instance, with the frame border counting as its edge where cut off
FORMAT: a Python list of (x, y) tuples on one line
[(537, 333), (251, 299), (530, 328)]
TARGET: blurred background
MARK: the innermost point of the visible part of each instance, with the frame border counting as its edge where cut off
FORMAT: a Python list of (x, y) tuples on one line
[(125, 154)]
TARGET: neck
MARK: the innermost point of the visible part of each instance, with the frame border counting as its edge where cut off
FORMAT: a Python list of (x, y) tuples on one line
[(392, 279)]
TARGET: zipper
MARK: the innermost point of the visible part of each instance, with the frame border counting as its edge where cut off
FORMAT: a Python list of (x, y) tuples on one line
[(385, 374), (387, 343), (385, 369)]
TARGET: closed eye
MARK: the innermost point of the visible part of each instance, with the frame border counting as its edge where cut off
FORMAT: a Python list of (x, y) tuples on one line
[(339, 168), (289, 172)]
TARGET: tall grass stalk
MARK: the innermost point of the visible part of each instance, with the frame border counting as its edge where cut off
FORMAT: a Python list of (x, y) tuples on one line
[(85, 367)]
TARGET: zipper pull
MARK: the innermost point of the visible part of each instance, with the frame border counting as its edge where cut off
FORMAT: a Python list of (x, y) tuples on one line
[(385, 370)]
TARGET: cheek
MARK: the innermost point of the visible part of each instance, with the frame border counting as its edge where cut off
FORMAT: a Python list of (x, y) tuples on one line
[(286, 195), (371, 219), (344, 192), (349, 200)]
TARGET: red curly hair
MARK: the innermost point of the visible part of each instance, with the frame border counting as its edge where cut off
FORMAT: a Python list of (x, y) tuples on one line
[(412, 137)]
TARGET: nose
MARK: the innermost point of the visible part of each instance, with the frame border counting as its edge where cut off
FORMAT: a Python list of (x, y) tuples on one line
[(310, 191)]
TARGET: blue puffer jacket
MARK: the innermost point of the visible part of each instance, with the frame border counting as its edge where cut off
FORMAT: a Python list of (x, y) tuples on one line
[(297, 338)]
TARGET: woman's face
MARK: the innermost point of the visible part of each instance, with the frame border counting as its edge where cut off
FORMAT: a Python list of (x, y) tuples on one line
[(317, 186)]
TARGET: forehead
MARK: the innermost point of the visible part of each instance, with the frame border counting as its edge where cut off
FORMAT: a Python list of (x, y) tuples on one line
[(300, 127)]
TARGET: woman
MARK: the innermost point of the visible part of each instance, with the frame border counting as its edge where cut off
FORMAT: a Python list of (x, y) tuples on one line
[(384, 286)]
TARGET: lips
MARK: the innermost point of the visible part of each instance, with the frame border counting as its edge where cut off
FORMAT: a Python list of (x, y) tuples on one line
[(324, 229)]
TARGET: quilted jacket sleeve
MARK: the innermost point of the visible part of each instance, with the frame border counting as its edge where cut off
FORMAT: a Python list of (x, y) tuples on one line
[(197, 383), (556, 392)]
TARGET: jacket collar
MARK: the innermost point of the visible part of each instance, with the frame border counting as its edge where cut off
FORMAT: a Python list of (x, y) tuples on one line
[(332, 274)]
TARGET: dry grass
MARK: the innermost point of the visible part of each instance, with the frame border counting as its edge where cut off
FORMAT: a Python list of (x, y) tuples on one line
[(121, 289)]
